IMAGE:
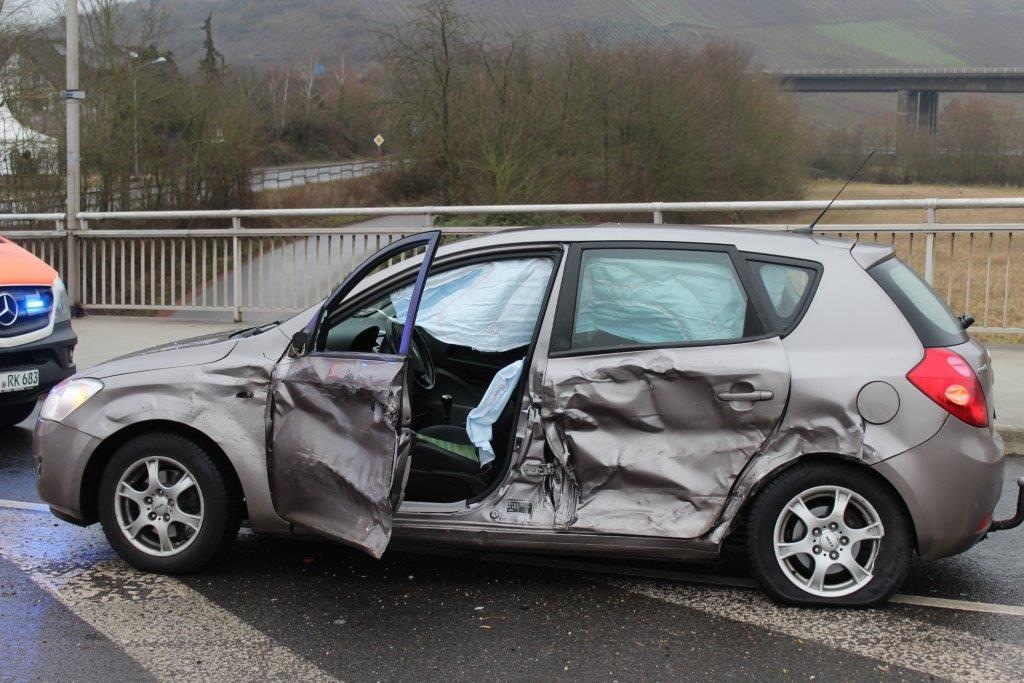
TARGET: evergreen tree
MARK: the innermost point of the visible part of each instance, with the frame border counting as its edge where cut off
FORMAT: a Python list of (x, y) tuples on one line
[(213, 61)]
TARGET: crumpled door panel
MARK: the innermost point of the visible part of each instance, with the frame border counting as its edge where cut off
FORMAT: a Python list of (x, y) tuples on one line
[(652, 448), (337, 443)]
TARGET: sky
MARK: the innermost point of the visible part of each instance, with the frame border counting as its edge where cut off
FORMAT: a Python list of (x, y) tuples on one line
[(40, 8)]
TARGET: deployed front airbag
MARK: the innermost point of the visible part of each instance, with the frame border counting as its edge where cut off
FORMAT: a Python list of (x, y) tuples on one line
[(489, 306)]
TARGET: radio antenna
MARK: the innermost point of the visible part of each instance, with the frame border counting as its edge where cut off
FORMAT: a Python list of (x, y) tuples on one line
[(810, 228)]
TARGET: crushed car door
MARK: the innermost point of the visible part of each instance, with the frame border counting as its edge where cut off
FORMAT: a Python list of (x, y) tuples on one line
[(339, 432), (662, 382)]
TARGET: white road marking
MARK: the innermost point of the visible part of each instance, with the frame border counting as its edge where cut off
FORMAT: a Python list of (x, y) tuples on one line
[(171, 630), (738, 582), (20, 505), (882, 634), (963, 605)]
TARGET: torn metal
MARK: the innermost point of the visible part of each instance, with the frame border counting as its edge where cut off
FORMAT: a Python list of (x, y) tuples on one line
[(339, 446)]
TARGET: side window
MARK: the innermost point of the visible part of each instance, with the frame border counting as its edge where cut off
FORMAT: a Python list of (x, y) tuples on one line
[(374, 328), (642, 297), (489, 306), (378, 326), (787, 286)]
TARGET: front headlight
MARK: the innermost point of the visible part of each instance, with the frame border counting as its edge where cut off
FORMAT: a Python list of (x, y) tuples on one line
[(67, 397), (61, 305)]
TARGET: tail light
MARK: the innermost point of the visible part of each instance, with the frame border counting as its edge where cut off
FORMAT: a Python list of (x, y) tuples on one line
[(946, 378)]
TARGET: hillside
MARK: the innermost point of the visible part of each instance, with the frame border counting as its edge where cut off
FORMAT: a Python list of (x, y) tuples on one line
[(780, 33)]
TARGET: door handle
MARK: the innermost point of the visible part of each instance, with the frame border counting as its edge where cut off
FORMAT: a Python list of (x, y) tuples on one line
[(759, 395)]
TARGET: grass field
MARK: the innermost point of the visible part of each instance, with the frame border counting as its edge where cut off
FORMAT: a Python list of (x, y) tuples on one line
[(893, 40)]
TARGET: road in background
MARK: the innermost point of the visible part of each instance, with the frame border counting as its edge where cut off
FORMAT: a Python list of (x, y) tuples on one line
[(305, 269)]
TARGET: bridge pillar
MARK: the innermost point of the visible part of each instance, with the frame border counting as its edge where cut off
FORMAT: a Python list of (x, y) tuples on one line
[(920, 109)]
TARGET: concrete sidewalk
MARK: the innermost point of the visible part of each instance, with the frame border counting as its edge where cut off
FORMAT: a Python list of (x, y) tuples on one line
[(102, 338)]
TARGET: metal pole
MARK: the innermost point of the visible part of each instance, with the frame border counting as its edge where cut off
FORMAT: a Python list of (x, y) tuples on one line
[(135, 117), (236, 267), (929, 247), (73, 105)]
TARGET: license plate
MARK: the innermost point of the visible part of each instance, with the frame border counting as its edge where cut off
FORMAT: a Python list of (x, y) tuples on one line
[(19, 380)]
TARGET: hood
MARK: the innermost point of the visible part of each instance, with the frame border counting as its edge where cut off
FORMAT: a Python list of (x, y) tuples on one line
[(18, 267), (208, 348)]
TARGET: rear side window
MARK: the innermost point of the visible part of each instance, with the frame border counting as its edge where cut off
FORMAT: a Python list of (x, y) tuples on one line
[(787, 287), (930, 317), (659, 297)]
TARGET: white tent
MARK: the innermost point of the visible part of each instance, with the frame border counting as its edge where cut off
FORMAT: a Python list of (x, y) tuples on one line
[(18, 141)]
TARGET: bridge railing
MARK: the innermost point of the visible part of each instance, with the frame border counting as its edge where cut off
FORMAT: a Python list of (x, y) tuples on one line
[(250, 267)]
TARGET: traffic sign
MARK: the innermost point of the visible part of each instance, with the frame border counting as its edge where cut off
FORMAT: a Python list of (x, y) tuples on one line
[(379, 140)]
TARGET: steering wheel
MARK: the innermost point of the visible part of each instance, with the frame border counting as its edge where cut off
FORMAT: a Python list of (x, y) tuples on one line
[(420, 362)]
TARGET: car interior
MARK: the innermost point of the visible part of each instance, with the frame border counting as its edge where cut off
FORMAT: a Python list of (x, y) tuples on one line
[(474, 326)]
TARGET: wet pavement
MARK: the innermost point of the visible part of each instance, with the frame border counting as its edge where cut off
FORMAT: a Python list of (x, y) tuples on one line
[(300, 610), (289, 609)]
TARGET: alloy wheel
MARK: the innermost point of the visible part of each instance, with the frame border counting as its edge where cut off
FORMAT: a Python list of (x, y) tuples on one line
[(159, 506), (826, 541)]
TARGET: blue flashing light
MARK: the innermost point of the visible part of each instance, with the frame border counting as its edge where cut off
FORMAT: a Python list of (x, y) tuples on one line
[(35, 305)]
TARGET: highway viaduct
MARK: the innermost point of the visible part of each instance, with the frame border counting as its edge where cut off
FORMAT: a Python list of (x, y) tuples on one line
[(918, 89)]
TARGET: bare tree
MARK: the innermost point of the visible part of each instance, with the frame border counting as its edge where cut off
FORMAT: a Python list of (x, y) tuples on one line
[(427, 62)]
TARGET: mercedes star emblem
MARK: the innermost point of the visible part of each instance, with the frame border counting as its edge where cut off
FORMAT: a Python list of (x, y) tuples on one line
[(8, 310)]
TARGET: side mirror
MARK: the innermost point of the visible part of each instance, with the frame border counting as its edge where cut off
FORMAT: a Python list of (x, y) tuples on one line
[(300, 340), (965, 320)]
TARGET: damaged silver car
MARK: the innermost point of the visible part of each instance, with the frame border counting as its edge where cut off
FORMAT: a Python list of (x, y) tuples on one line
[(621, 391)]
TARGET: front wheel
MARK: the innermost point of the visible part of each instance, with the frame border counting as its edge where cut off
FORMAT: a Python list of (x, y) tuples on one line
[(829, 534), (166, 506)]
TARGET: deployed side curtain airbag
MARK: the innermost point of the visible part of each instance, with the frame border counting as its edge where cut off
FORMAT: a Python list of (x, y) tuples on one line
[(487, 306), (662, 297)]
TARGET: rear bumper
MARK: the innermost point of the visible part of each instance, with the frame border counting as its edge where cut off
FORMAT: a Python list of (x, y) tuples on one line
[(950, 484), (52, 356), (61, 455)]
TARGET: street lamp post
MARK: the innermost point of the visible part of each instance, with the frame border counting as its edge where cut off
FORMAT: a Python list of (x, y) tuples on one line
[(73, 102)]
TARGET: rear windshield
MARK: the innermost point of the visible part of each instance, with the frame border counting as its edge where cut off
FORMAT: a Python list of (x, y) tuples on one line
[(930, 317)]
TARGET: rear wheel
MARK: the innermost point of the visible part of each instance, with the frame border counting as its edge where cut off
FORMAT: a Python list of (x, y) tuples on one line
[(12, 415), (166, 506), (829, 534)]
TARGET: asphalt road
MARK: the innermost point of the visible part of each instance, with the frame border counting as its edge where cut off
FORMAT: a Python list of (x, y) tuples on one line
[(280, 609)]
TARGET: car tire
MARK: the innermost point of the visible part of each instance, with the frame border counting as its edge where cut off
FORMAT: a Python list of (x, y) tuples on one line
[(12, 415), (834, 557), (167, 526)]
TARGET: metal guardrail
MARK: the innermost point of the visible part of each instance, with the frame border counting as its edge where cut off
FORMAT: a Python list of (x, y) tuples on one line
[(281, 177), (890, 71), (249, 269), (260, 180)]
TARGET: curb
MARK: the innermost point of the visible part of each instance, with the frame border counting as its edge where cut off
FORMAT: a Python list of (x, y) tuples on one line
[(1013, 437)]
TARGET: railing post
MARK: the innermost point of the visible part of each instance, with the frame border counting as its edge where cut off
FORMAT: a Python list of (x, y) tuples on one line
[(73, 266), (70, 274), (428, 220), (929, 245), (659, 219), (236, 269), (63, 272)]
